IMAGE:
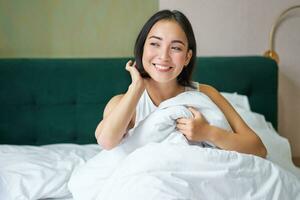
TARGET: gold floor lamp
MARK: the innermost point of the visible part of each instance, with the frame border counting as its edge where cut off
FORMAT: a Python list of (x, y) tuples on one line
[(271, 53)]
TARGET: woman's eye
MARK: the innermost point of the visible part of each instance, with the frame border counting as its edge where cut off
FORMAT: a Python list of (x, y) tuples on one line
[(176, 48), (154, 44)]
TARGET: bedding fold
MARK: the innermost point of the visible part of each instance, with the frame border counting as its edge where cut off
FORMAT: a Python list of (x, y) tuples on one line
[(155, 161)]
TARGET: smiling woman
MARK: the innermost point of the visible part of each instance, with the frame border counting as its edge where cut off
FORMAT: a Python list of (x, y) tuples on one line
[(162, 92), (166, 50), (165, 138)]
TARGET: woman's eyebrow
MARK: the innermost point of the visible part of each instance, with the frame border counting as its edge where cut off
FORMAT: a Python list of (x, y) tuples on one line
[(173, 41), (155, 37), (178, 41)]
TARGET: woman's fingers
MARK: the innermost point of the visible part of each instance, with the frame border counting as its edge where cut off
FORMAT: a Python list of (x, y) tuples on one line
[(181, 127), (136, 77), (195, 112), (128, 65), (131, 67), (183, 121)]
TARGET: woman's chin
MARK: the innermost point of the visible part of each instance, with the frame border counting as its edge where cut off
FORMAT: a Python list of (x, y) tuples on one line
[(162, 80)]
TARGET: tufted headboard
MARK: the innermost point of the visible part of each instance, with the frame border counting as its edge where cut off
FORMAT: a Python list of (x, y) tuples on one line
[(45, 101)]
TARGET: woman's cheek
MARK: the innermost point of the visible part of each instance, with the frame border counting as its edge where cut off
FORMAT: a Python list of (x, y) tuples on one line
[(179, 59)]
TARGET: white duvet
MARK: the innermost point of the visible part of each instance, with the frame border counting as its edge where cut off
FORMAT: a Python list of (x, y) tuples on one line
[(40, 172), (156, 162)]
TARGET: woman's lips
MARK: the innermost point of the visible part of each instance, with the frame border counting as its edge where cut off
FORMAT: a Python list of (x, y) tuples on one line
[(162, 68)]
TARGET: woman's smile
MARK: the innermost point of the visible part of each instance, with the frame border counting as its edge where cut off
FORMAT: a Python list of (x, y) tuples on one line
[(162, 68)]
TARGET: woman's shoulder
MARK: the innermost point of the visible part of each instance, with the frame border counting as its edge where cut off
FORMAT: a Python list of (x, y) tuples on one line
[(112, 103), (115, 99), (213, 94), (207, 89)]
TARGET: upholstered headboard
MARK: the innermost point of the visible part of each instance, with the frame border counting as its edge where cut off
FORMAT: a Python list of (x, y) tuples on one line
[(44, 101)]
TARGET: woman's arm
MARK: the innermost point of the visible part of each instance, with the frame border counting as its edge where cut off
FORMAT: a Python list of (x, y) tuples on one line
[(119, 113), (117, 118), (243, 139)]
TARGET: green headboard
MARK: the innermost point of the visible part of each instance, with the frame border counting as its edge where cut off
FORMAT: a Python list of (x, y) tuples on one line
[(45, 101)]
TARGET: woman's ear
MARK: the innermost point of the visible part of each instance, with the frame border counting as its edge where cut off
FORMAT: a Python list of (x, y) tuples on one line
[(188, 57)]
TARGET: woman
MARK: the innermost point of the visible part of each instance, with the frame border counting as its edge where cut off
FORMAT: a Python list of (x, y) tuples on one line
[(165, 53)]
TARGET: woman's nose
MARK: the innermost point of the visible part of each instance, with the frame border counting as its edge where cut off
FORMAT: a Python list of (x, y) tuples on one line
[(164, 54)]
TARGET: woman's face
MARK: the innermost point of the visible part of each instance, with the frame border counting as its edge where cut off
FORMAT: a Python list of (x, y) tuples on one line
[(165, 51)]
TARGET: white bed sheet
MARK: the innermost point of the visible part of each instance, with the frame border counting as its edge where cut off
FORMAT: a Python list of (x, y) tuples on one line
[(31, 172), (70, 198), (37, 172), (156, 162)]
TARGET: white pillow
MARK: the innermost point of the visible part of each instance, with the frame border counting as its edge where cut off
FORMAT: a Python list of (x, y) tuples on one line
[(237, 100), (35, 172)]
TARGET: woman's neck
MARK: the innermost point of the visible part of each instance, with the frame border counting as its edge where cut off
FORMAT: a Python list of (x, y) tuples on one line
[(159, 92)]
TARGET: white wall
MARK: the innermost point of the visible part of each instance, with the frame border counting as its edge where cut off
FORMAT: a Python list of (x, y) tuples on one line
[(241, 27)]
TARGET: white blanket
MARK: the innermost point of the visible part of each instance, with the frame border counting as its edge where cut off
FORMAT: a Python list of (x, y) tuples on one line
[(156, 162)]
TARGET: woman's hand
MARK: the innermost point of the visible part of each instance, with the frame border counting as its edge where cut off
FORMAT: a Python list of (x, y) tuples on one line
[(194, 129), (136, 77)]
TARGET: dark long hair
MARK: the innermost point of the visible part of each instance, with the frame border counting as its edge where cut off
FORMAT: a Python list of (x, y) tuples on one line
[(184, 78)]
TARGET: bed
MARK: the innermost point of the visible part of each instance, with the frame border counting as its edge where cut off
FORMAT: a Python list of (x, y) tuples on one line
[(50, 108)]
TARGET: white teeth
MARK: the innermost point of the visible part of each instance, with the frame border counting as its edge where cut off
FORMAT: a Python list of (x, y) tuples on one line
[(161, 67)]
